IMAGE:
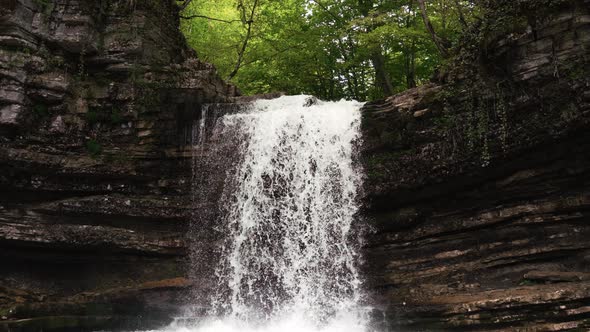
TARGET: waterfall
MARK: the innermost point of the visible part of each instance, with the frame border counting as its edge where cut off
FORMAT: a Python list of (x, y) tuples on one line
[(289, 252)]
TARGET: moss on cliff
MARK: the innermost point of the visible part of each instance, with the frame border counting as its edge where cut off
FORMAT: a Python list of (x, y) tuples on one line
[(518, 77), (494, 159)]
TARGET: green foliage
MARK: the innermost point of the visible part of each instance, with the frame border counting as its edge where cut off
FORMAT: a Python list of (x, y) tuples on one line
[(497, 19), (40, 110), (46, 6), (529, 282), (116, 116), (327, 48), (112, 116), (54, 62), (117, 158), (92, 117), (577, 70), (42, 3), (477, 84), (570, 112), (94, 148)]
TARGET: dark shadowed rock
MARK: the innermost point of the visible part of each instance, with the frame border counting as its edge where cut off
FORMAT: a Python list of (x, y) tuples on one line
[(479, 193), (98, 100)]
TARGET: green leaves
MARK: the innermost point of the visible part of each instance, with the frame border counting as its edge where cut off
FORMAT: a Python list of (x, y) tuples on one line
[(322, 47)]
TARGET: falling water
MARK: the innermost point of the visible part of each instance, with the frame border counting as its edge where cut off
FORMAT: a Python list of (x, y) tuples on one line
[(288, 260)]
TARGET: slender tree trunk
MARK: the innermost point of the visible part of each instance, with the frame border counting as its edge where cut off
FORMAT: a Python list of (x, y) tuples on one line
[(362, 87), (410, 52), (332, 87), (382, 79), (184, 4), (355, 83), (355, 71), (443, 11), (348, 72), (411, 67), (439, 42), (461, 15), (242, 50)]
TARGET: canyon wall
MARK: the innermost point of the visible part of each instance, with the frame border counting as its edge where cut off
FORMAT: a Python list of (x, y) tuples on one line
[(478, 184), (97, 105)]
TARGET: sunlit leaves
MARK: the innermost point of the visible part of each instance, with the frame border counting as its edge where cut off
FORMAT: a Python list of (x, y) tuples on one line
[(321, 47)]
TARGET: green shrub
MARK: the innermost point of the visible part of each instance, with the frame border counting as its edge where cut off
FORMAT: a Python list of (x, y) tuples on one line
[(40, 110), (116, 116), (92, 117), (529, 282), (46, 6), (93, 147)]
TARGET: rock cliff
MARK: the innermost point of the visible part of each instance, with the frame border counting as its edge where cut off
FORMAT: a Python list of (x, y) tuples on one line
[(478, 185), (97, 104)]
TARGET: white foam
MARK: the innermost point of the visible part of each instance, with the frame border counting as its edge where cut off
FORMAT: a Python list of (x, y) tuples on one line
[(290, 259)]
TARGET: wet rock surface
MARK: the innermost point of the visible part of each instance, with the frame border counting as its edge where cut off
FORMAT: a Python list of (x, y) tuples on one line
[(97, 105), (480, 199), (480, 212)]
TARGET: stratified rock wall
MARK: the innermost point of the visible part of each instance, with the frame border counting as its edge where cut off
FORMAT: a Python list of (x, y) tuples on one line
[(478, 192), (479, 189), (97, 103)]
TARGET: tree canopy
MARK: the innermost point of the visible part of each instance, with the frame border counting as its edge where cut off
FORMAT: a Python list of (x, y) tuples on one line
[(333, 49)]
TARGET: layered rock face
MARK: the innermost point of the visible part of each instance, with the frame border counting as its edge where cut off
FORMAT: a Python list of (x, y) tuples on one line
[(479, 191), (97, 104)]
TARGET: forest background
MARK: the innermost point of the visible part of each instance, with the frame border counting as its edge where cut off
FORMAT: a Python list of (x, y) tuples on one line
[(333, 49)]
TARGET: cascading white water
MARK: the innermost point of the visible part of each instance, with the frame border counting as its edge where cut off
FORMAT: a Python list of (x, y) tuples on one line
[(289, 259)]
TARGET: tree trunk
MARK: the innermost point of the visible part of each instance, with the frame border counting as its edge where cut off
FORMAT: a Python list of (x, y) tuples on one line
[(411, 67), (382, 79), (461, 15), (242, 51), (184, 4), (410, 53), (439, 42)]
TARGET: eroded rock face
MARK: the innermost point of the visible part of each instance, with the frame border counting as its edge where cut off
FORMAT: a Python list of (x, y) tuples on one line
[(97, 102), (480, 199)]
